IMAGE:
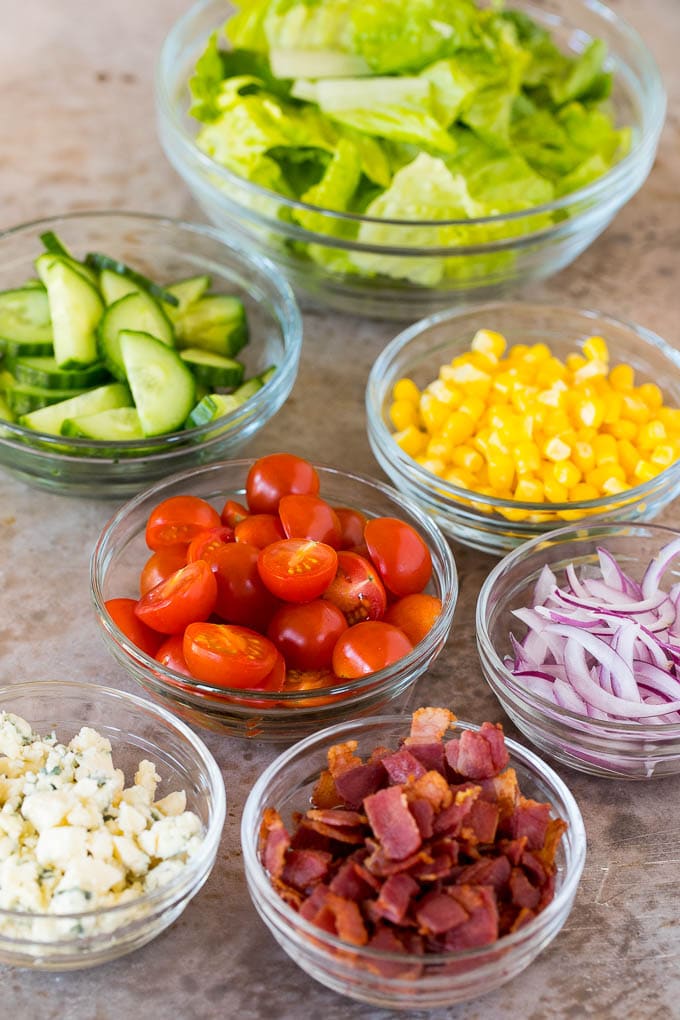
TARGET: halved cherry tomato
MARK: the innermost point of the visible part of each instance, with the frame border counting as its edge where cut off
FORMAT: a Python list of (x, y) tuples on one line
[(306, 634), (275, 476), (357, 589), (241, 595), (204, 545), (400, 554), (171, 654), (352, 523), (178, 519), (305, 516), (297, 569), (414, 614), (160, 565), (122, 612), (186, 596), (233, 512), (259, 530), (367, 647), (224, 655), (276, 678)]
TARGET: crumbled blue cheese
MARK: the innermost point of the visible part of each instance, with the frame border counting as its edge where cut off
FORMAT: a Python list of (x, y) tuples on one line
[(73, 837)]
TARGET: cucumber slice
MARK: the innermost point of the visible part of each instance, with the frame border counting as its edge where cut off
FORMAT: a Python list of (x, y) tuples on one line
[(49, 419), (96, 261), (212, 407), (187, 292), (54, 244), (214, 323), (163, 388), (137, 312), (45, 372), (114, 286), (265, 376), (248, 389), (214, 370), (56, 248), (6, 413), (117, 425), (25, 323), (75, 310), (24, 398)]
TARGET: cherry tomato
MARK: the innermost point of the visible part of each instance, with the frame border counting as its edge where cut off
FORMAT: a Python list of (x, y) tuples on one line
[(228, 656), (232, 513), (186, 596), (310, 679), (352, 523), (367, 647), (305, 516), (297, 569), (241, 595), (275, 476), (306, 634), (204, 545), (401, 556), (414, 614), (160, 565), (276, 678), (259, 530), (171, 654), (178, 519), (357, 589), (122, 612)]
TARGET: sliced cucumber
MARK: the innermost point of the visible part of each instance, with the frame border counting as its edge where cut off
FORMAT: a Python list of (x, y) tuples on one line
[(23, 398), (25, 321), (114, 286), (6, 413), (248, 389), (163, 388), (75, 310), (44, 371), (49, 419), (117, 425), (187, 292), (96, 261), (212, 407), (265, 376), (55, 246), (137, 312), (212, 369), (214, 323)]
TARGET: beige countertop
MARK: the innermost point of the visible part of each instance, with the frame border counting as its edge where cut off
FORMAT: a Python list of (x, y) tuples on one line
[(78, 132)]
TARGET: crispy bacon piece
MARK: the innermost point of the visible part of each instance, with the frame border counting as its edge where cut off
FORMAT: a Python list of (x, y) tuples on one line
[(481, 926), (530, 819), (325, 794), (304, 868), (353, 882), (431, 786), (336, 915), (428, 725), (423, 812), (274, 842), (359, 782), (342, 757), (392, 822), (402, 766), (523, 893), (478, 754), (394, 899), (438, 912)]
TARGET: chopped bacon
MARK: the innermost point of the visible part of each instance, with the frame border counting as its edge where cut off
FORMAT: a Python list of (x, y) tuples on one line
[(359, 782), (342, 757), (431, 786), (428, 725), (481, 926), (530, 819), (523, 893), (488, 871), (423, 812), (392, 822), (438, 912), (431, 756), (352, 882), (395, 898), (304, 868), (325, 794), (274, 842), (478, 754), (451, 819), (402, 766), (482, 821), (503, 790)]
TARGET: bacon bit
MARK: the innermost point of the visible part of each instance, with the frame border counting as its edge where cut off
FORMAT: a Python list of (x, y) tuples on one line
[(503, 790), (339, 817), (523, 893), (351, 882), (525, 915), (395, 898), (325, 794), (342, 835), (423, 812), (481, 928), (429, 725), (478, 755), (274, 842), (342, 757), (451, 819), (494, 872), (304, 868), (431, 756), (530, 819), (439, 912), (359, 782), (432, 787), (402, 766), (392, 822), (482, 822)]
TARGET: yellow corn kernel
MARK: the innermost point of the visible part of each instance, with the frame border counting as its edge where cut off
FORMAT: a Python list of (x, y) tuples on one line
[(651, 434), (605, 449), (468, 458), (524, 399), (583, 491), (537, 353), (651, 394), (612, 407), (589, 411), (529, 490), (411, 440), (433, 464), (457, 428), (595, 349), (501, 470), (556, 449), (670, 416), (556, 423), (433, 412), (527, 458), (438, 448), (403, 413), (663, 455), (550, 372), (622, 429), (644, 470), (517, 352), (504, 383), (567, 473), (591, 372), (554, 491), (446, 376), (614, 486), (583, 456), (474, 407), (486, 341), (471, 378), (635, 409), (600, 474), (460, 477), (555, 396), (622, 378), (406, 389), (513, 513), (628, 456), (574, 362)]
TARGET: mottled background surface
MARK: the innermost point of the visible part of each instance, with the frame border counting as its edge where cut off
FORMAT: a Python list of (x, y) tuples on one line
[(78, 132)]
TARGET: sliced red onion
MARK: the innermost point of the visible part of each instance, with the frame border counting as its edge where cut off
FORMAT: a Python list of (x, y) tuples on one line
[(547, 582), (614, 576), (658, 567), (592, 694)]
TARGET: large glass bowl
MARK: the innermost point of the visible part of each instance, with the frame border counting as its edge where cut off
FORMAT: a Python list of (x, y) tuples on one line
[(137, 729), (164, 250), (616, 749), (121, 552), (488, 523), (380, 977), (524, 246)]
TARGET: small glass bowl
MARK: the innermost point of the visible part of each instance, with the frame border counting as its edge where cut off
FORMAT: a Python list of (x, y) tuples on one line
[(121, 552), (488, 523), (621, 750), (502, 251), (361, 973), (137, 729), (164, 250)]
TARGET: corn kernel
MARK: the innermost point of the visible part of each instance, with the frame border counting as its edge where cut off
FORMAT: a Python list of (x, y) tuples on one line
[(583, 491), (605, 449), (529, 490), (574, 362), (651, 434), (590, 372), (459, 477), (517, 352), (474, 407), (651, 394), (501, 470), (556, 449), (411, 440), (603, 472), (583, 456), (595, 348), (622, 429), (670, 416), (663, 455), (555, 492), (403, 413), (513, 514), (567, 473), (635, 409), (467, 457), (622, 378), (527, 458), (550, 372), (433, 412), (486, 341), (613, 486), (556, 423), (406, 389), (644, 471), (628, 456), (537, 353), (589, 411), (433, 465), (457, 428), (439, 448), (612, 408)]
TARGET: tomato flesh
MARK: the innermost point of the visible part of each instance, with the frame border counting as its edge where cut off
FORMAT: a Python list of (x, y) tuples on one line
[(171, 654), (357, 589), (259, 530), (367, 647), (297, 569), (233, 512), (306, 633), (414, 614), (186, 596), (228, 656), (204, 545), (305, 516), (178, 520), (277, 475), (160, 565), (122, 612), (400, 554)]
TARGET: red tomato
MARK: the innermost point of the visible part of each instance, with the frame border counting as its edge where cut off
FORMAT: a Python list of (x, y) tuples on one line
[(401, 556), (297, 569), (306, 634), (204, 545), (352, 523), (122, 612), (228, 656), (414, 614), (232, 513), (171, 654), (241, 596), (186, 596), (275, 476), (305, 516), (367, 647), (276, 678), (259, 530), (357, 589), (160, 565), (178, 519)]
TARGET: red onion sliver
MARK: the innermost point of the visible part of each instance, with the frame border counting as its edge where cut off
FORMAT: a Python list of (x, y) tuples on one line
[(658, 567)]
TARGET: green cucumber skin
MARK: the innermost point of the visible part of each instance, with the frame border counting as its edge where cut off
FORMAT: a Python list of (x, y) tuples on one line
[(215, 323), (187, 292), (212, 407), (75, 309), (48, 419), (113, 286), (137, 312), (97, 261), (117, 425), (163, 387), (44, 371), (23, 399), (213, 370)]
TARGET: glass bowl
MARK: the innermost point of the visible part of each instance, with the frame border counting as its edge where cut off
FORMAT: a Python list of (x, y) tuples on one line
[(137, 729), (164, 250), (488, 523), (374, 279), (622, 750), (121, 552), (362, 973)]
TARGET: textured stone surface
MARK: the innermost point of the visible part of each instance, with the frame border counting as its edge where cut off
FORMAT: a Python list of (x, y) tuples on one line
[(78, 132)]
